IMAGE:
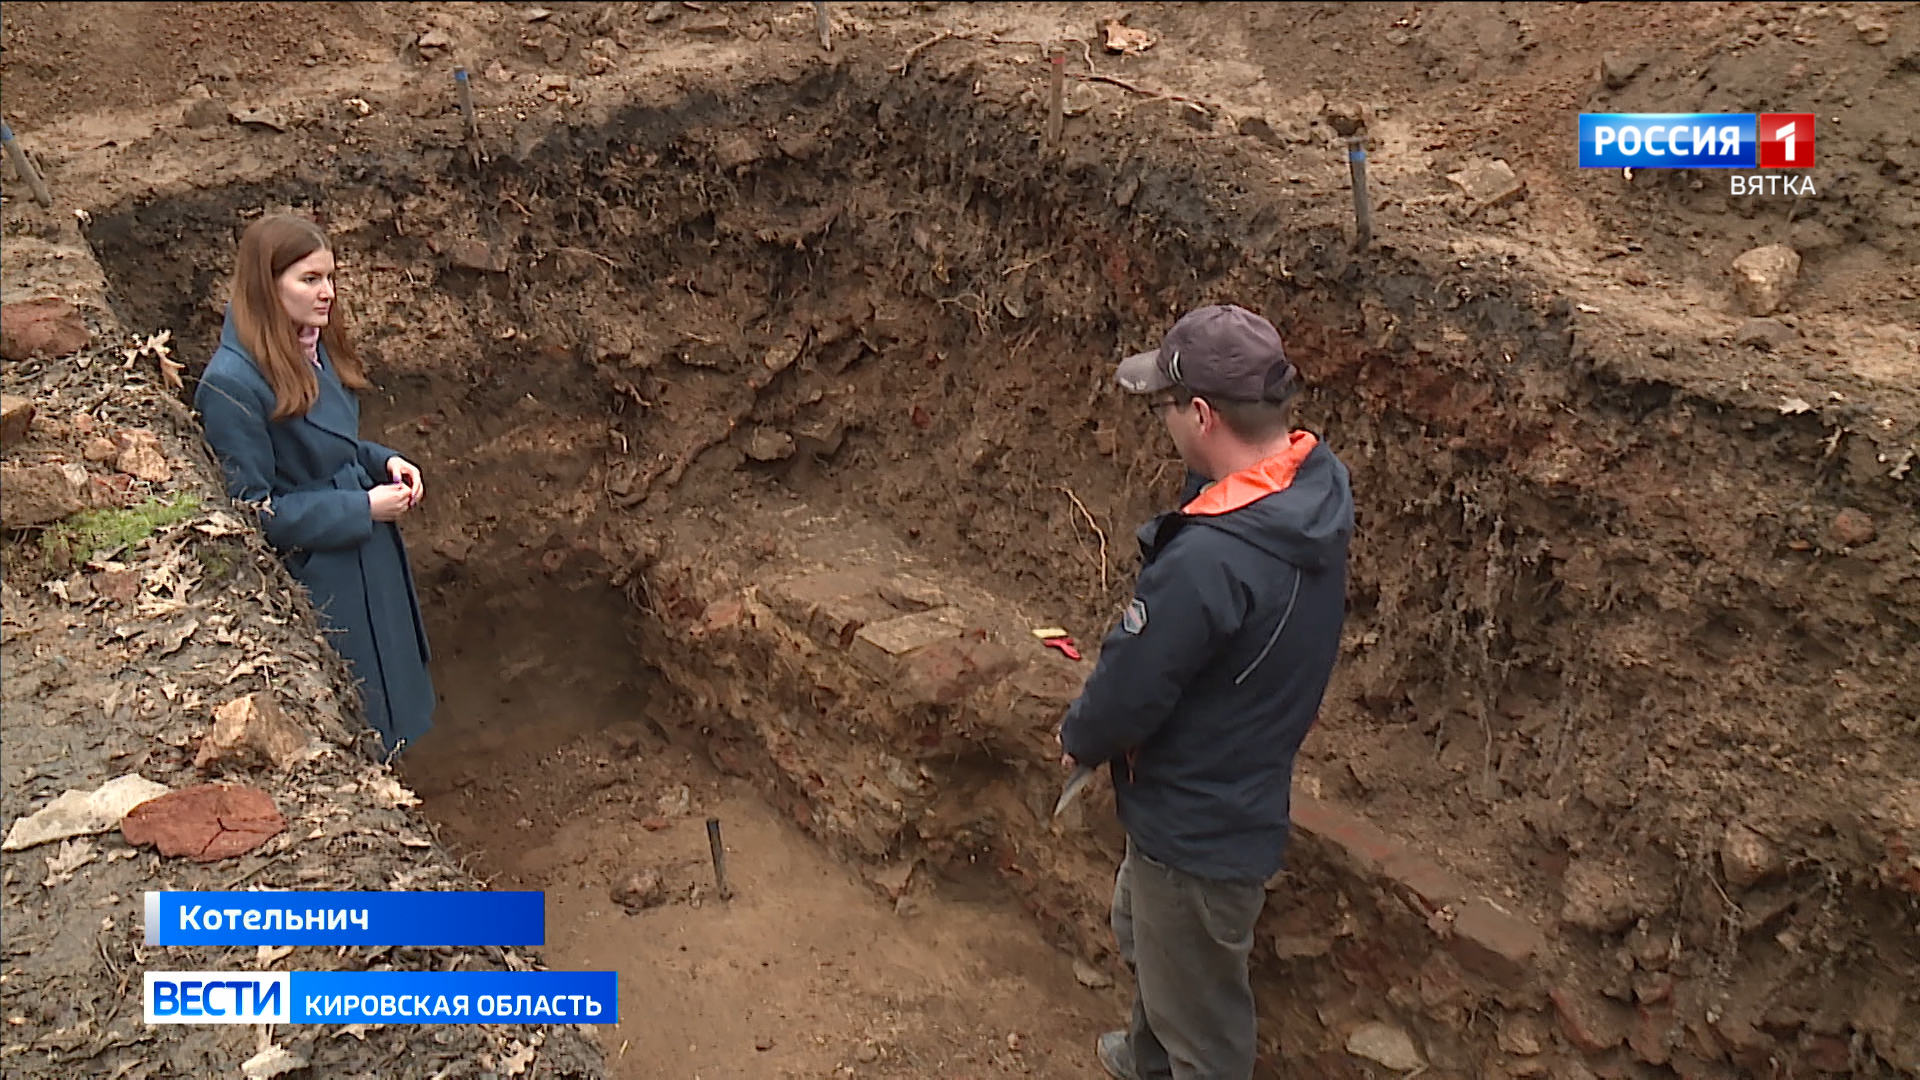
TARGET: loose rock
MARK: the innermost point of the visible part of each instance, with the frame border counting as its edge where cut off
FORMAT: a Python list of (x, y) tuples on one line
[(1386, 1045), (1618, 71), (270, 119), (117, 586), (206, 113), (1522, 1034), (252, 730), (1763, 277), (471, 255), (1091, 977), (1872, 30), (1597, 898), (16, 419), (41, 494), (1851, 528), (659, 12), (142, 458), (1125, 40), (110, 492), (434, 43), (639, 890), (1769, 334), (1812, 236), (769, 444), (48, 326), (711, 26), (1489, 183), (675, 803)]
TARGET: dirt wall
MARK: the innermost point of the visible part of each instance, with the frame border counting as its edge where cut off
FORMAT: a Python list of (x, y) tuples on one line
[(1620, 751)]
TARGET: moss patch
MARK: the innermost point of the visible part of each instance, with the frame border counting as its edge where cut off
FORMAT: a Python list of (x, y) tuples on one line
[(93, 532)]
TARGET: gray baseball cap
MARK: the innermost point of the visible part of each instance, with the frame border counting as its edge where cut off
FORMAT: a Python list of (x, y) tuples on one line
[(1223, 351)]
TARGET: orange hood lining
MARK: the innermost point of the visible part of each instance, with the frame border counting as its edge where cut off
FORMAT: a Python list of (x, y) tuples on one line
[(1256, 482)]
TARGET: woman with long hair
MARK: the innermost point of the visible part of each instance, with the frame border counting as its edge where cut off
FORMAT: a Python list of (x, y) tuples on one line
[(279, 413)]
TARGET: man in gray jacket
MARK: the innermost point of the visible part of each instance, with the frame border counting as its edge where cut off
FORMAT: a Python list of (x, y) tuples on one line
[(1204, 692)]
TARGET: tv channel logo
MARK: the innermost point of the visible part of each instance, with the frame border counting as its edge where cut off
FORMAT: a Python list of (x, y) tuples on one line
[(1786, 140), (218, 997), (1696, 140)]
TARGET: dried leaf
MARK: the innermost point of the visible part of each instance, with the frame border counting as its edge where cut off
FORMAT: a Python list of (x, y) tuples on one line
[(518, 1057), (82, 813), (1794, 405), (220, 523), (269, 955), (173, 641), (1127, 40), (73, 855), (271, 1062), (389, 793)]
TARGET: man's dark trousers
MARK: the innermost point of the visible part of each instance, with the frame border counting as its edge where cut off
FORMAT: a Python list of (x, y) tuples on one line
[(1187, 940)]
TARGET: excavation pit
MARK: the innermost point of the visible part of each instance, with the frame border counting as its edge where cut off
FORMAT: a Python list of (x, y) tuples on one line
[(764, 426)]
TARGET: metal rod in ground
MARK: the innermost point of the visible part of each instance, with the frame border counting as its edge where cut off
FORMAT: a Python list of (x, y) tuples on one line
[(1057, 100), (719, 858), (25, 167), (1362, 209), (825, 23)]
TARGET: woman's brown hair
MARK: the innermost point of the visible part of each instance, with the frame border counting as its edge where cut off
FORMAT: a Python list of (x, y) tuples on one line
[(267, 248)]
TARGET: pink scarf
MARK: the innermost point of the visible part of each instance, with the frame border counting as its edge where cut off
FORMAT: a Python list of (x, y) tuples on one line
[(310, 341)]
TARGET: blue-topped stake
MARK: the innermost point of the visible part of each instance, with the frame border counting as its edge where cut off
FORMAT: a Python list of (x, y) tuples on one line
[(25, 167), (1346, 121), (465, 87)]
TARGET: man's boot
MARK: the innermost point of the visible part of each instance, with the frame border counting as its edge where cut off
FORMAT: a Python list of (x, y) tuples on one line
[(1116, 1055)]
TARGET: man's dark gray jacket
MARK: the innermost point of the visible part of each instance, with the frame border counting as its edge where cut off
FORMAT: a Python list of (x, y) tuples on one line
[(1204, 692)]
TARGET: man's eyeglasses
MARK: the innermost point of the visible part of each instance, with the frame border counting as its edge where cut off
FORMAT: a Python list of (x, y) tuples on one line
[(1158, 403)]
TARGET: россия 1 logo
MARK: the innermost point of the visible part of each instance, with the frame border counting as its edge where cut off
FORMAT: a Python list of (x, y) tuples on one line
[(1704, 141)]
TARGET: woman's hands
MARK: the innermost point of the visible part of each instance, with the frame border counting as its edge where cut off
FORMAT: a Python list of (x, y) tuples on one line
[(407, 474), (389, 501)]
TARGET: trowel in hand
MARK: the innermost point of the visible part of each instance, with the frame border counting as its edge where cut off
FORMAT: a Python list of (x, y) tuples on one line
[(1076, 781)]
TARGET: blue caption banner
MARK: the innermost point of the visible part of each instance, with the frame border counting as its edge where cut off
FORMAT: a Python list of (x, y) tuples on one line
[(1669, 140), (455, 997), (346, 918), (382, 997)]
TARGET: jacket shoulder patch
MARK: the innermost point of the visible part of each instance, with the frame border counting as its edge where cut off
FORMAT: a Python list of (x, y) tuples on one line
[(1135, 620)]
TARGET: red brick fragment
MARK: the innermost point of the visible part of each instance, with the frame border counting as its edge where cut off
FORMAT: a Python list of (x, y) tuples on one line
[(1591, 1023), (1649, 1036), (946, 671), (1357, 842), (1495, 944), (205, 823), (1828, 1054), (720, 615)]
